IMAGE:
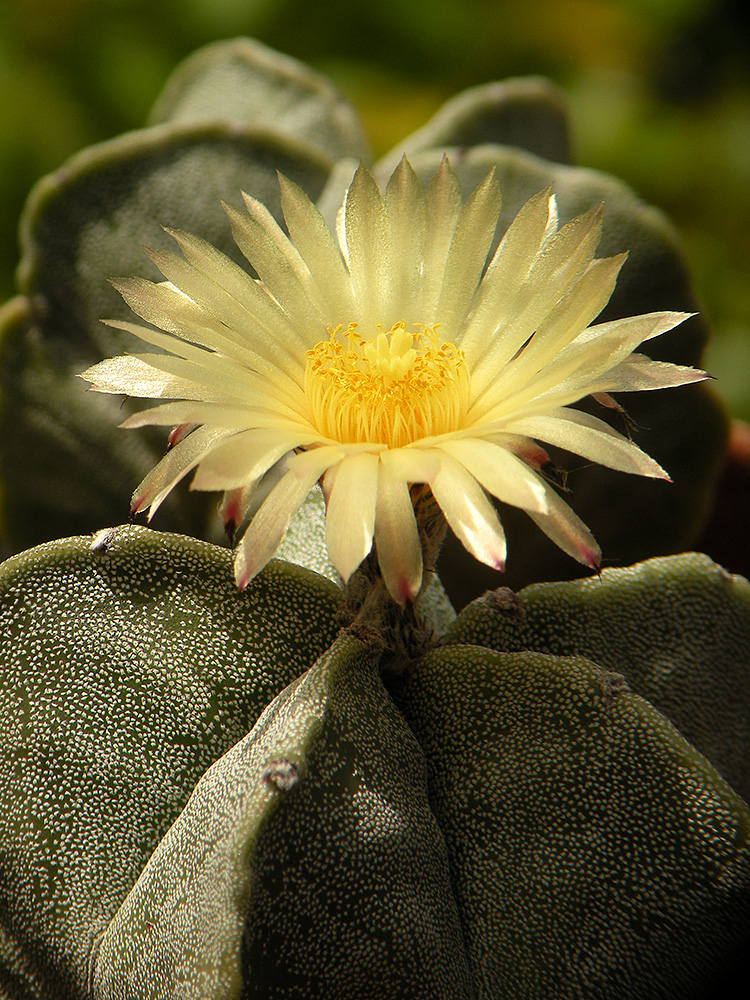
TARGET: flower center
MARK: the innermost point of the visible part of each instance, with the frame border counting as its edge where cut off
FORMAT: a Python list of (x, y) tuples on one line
[(393, 389)]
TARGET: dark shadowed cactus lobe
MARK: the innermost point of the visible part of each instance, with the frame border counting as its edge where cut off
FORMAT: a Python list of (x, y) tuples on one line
[(593, 852), (677, 628)]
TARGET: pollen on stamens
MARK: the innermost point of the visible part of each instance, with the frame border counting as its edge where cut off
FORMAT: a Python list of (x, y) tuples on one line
[(393, 388)]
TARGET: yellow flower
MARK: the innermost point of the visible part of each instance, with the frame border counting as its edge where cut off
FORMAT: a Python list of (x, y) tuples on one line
[(389, 355)]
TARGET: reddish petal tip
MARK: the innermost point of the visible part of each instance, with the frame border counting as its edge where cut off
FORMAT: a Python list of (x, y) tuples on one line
[(592, 560)]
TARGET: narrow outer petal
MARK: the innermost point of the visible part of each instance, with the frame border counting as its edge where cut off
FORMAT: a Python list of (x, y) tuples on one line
[(278, 332), (468, 254), (567, 255), (269, 525), (412, 465), (132, 376), (397, 539), (244, 457), (350, 517), (407, 223), (500, 473), (367, 241), (568, 531), (279, 265), (507, 270), (639, 373), (591, 438), (317, 247), (469, 513), (443, 203), (173, 467)]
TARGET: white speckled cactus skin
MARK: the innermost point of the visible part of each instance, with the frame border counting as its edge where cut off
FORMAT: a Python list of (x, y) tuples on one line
[(217, 795), (456, 832)]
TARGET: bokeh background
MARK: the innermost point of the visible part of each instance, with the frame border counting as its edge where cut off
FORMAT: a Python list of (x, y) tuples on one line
[(659, 93)]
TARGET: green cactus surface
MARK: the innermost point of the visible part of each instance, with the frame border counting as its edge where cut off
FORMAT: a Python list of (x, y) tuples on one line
[(676, 628), (127, 670), (287, 793), (212, 794)]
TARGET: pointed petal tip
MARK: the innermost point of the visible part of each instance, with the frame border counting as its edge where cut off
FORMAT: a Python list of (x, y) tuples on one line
[(592, 558), (406, 591), (118, 282), (343, 571), (287, 186), (242, 572)]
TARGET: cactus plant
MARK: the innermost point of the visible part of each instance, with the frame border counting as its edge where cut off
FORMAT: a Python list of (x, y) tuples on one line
[(306, 790)]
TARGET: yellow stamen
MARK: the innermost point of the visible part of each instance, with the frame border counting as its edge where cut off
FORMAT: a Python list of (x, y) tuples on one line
[(392, 389)]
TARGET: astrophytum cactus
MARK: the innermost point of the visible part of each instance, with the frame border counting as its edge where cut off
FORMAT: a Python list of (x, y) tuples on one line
[(286, 791)]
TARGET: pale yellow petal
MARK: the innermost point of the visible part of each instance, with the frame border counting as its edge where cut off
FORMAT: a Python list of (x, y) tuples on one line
[(231, 417), (176, 464), (567, 531), (245, 457), (133, 376), (220, 321), (397, 539), (563, 259), (639, 373), (499, 472), (508, 269), (581, 367), (350, 514), (581, 304), (412, 465), (318, 249), (468, 255), (586, 435), (367, 241), (282, 389), (279, 332), (280, 267), (470, 515), (234, 506), (268, 527), (407, 224), (443, 204)]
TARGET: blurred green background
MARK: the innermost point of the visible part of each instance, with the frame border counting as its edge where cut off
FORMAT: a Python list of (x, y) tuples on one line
[(659, 93)]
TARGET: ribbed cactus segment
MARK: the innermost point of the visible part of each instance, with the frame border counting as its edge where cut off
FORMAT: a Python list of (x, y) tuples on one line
[(125, 672), (678, 629), (593, 851)]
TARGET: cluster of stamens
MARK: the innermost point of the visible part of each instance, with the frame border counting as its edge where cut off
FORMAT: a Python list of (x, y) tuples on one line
[(392, 389)]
